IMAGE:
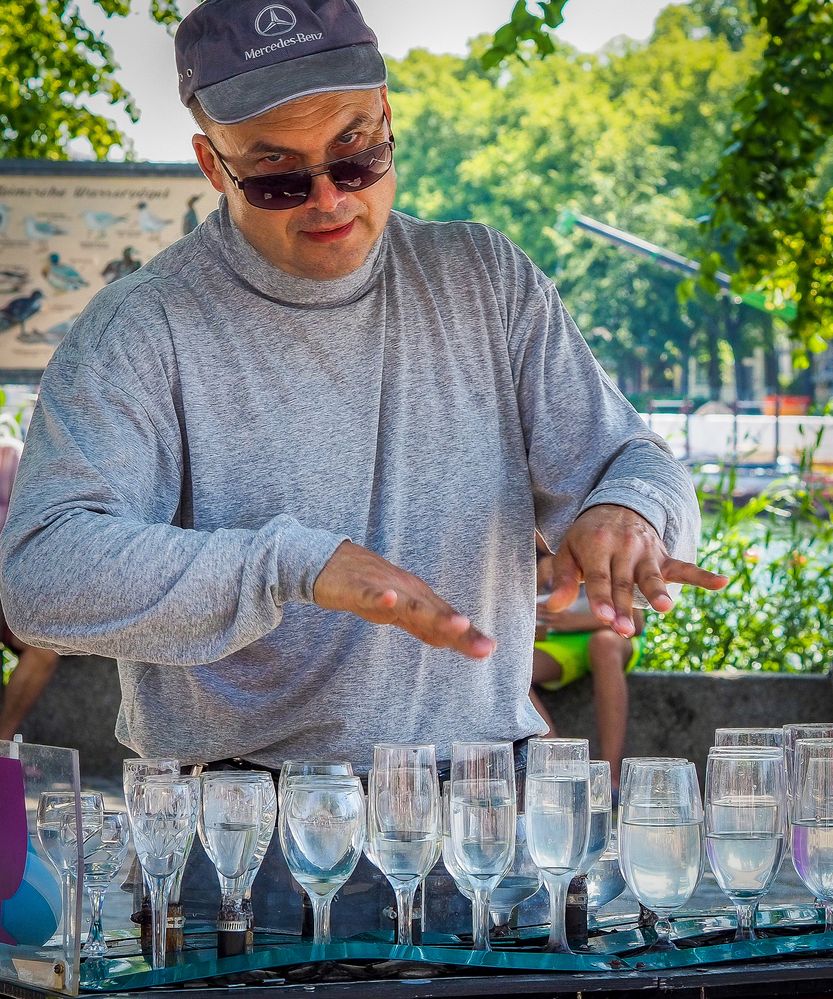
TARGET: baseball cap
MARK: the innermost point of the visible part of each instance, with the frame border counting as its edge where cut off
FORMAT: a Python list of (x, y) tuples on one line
[(243, 57)]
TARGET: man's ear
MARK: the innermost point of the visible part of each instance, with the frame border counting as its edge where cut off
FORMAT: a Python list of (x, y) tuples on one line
[(208, 162)]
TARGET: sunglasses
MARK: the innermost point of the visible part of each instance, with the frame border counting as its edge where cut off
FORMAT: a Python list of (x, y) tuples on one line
[(277, 192)]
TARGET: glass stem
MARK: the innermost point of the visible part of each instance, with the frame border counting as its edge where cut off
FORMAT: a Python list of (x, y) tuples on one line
[(96, 945), (480, 919), (828, 917), (746, 921), (321, 917), (405, 913), (68, 903), (663, 931), (160, 889), (557, 888)]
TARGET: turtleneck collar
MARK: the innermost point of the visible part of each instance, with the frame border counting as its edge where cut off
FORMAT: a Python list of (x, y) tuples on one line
[(287, 289)]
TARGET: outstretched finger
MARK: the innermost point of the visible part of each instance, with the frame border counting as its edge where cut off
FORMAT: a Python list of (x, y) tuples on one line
[(675, 571)]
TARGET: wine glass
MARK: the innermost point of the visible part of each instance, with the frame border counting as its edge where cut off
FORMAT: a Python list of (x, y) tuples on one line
[(104, 853), (404, 823), (749, 737), (230, 815), (661, 839), (302, 768), (811, 819), (558, 821), (163, 811), (746, 823), (58, 834), (322, 830), (483, 820)]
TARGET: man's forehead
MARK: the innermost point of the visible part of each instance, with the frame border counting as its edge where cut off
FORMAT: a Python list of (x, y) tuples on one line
[(312, 118)]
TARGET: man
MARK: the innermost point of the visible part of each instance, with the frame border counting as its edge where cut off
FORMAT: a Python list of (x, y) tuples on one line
[(309, 367)]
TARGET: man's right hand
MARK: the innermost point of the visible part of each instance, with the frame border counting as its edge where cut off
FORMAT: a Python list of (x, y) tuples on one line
[(363, 583)]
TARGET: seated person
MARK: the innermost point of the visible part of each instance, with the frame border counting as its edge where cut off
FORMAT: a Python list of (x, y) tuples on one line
[(34, 666), (571, 643)]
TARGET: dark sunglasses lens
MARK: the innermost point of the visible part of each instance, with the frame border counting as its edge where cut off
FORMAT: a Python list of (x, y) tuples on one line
[(278, 191), (361, 171)]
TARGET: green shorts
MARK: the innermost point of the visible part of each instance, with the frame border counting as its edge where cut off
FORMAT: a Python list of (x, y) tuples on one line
[(571, 650)]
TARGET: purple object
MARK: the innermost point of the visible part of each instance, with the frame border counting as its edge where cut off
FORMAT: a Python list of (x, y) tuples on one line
[(14, 835)]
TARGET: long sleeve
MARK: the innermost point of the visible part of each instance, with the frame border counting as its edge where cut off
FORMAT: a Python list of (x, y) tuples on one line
[(586, 444), (91, 557)]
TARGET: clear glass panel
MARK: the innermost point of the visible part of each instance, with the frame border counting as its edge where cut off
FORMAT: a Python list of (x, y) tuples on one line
[(33, 906)]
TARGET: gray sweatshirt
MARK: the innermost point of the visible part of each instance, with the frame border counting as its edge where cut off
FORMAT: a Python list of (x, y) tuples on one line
[(212, 428)]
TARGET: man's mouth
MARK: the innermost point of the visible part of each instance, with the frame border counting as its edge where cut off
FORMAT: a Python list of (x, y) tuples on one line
[(329, 235)]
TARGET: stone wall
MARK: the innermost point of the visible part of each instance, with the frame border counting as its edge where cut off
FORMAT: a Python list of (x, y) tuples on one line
[(671, 714)]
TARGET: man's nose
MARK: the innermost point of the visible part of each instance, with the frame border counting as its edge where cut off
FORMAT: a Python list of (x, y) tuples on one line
[(325, 196)]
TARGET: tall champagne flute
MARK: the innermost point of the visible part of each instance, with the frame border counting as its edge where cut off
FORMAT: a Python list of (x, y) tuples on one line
[(404, 823), (558, 821), (322, 830), (600, 814), (229, 820), (163, 811), (801, 730), (661, 839), (483, 820), (265, 832), (104, 853), (746, 824), (773, 737), (811, 819), (59, 836)]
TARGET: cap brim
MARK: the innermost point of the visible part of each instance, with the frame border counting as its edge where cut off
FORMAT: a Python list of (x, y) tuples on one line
[(355, 67)]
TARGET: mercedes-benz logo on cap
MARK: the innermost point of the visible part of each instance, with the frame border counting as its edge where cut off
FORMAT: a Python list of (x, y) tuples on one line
[(275, 20)]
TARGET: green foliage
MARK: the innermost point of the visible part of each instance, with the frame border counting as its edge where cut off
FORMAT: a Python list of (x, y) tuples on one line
[(766, 185), (775, 614), (51, 64), (766, 204), (525, 30), (627, 137)]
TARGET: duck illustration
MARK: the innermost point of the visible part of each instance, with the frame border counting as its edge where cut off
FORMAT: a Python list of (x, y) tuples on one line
[(126, 264), (149, 222), (99, 222), (5, 211), (52, 337), (12, 279), (62, 276), (39, 230), (190, 220), (18, 310)]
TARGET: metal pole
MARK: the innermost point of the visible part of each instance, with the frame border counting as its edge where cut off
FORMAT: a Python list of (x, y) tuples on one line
[(687, 408), (777, 427)]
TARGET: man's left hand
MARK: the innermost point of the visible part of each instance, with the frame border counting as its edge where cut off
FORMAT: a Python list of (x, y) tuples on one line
[(611, 549)]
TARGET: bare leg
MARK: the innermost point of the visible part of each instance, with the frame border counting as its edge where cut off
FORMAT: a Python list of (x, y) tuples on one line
[(609, 655), (544, 670), (31, 675)]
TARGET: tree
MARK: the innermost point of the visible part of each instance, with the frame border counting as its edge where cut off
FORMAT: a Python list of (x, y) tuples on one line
[(51, 63), (770, 216)]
